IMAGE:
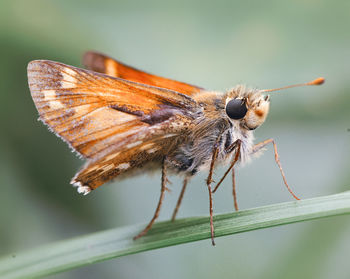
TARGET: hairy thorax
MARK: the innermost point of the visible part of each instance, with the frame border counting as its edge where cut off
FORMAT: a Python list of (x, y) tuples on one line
[(211, 130)]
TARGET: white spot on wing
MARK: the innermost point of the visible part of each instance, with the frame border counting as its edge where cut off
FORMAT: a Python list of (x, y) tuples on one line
[(108, 167), (56, 105), (51, 98), (169, 136), (123, 166), (49, 94), (68, 78), (152, 150), (136, 143)]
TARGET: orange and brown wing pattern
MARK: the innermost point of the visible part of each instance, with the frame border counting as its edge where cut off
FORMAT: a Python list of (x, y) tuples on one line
[(117, 124), (103, 64), (95, 113), (150, 147)]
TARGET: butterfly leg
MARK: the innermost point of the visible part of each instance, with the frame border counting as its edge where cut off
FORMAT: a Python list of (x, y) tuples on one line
[(236, 144), (180, 199), (156, 213), (261, 145), (209, 181), (235, 203)]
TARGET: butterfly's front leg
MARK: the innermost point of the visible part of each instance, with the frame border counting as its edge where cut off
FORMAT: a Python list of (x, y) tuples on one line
[(257, 147), (156, 213), (236, 145), (210, 180)]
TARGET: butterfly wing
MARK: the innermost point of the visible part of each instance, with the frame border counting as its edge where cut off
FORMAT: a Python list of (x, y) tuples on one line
[(103, 64), (132, 156), (107, 119)]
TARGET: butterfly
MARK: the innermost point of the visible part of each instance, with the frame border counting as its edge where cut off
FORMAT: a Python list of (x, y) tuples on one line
[(123, 121)]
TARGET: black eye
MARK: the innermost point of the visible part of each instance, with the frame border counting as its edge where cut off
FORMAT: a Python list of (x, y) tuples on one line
[(236, 109)]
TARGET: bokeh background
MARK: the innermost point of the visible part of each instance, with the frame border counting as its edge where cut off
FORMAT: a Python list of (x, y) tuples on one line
[(215, 44)]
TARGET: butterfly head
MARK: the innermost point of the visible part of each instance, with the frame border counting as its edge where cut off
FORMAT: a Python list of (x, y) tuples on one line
[(247, 107), (250, 107)]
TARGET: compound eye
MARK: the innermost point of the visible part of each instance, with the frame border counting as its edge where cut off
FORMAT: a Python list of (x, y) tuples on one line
[(236, 108)]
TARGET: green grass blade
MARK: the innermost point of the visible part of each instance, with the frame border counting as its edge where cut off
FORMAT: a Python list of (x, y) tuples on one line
[(118, 242)]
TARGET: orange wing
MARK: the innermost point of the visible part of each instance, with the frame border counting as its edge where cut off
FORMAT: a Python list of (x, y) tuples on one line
[(103, 64), (135, 155), (107, 119)]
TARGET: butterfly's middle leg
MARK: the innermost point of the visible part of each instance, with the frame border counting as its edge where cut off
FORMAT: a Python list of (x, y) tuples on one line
[(209, 181), (156, 213)]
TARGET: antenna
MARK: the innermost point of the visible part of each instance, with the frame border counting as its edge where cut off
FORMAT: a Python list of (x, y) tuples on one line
[(317, 81)]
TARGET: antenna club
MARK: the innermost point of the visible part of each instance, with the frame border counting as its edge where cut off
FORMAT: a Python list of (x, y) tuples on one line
[(317, 81)]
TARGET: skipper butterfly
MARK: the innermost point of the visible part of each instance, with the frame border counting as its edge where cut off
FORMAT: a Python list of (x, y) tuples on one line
[(121, 120)]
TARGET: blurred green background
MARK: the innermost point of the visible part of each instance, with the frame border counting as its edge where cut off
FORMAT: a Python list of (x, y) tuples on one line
[(215, 44)]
